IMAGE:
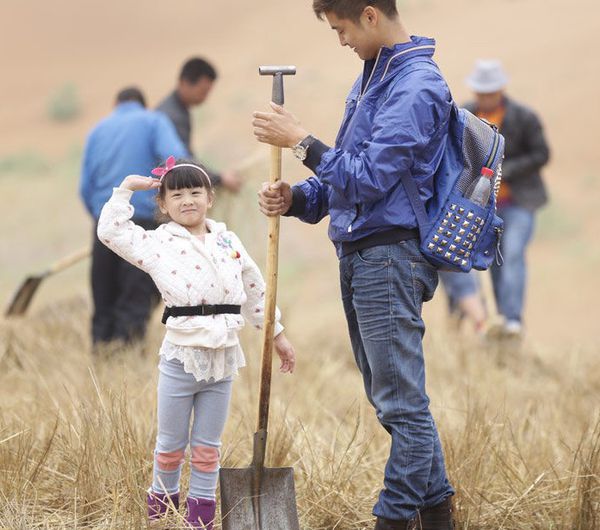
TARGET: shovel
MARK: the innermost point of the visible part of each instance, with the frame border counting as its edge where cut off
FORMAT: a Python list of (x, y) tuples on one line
[(257, 497), (23, 295)]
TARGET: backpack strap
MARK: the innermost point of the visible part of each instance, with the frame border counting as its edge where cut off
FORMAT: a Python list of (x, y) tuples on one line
[(410, 186), (417, 204)]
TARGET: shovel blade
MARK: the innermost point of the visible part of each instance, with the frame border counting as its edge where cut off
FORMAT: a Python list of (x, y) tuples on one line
[(276, 502), (23, 295)]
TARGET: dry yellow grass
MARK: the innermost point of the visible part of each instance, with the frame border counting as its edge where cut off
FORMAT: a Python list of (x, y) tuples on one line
[(76, 433)]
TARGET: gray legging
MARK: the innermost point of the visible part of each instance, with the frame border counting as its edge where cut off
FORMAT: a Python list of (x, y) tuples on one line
[(178, 394)]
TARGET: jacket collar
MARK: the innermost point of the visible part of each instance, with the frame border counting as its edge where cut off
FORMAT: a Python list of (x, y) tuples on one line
[(390, 60), (129, 106)]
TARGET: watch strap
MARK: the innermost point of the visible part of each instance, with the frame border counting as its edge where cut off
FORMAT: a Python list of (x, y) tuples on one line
[(314, 155)]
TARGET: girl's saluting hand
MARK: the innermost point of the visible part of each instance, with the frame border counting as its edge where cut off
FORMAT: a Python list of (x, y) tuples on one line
[(138, 183)]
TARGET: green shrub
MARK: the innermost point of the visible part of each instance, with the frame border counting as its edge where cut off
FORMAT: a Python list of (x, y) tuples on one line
[(64, 104), (26, 162)]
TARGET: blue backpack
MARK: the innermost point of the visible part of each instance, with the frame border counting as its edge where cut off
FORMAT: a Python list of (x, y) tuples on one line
[(457, 234)]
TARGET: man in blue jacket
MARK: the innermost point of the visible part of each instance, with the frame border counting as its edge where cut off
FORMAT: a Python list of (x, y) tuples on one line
[(131, 140), (396, 120)]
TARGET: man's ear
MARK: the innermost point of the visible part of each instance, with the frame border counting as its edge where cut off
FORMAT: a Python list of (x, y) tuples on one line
[(370, 15)]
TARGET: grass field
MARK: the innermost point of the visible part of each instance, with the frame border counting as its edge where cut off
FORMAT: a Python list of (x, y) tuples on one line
[(522, 441)]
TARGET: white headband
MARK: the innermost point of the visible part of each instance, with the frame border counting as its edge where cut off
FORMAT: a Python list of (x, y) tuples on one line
[(190, 165)]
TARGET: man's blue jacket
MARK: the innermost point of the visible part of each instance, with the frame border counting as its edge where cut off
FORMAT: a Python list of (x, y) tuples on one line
[(396, 120), (130, 141)]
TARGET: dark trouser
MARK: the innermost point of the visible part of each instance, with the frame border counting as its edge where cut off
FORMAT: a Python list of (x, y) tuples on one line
[(124, 295)]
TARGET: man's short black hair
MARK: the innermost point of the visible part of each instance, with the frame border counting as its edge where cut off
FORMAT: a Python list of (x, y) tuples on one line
[(196, 68), (352, 9), (131, 93)]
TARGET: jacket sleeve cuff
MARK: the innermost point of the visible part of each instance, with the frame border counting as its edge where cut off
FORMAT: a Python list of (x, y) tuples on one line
[(122, 194), (298, 202), (278, 329), (314, 154)]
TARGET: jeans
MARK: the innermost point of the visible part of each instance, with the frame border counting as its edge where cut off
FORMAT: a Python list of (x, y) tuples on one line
[(179, 394), (509, 280), (383, 290)]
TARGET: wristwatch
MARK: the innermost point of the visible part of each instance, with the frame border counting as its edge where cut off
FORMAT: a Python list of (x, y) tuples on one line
[(301, 148)]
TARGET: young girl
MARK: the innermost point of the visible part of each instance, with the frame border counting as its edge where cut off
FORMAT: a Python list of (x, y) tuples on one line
[(209, 284)]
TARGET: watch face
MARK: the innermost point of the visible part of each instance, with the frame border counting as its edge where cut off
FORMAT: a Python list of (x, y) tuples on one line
[(299, 152)]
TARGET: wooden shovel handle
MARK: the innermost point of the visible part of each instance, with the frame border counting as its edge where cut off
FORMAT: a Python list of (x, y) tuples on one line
[(270, 301), (69, 260)]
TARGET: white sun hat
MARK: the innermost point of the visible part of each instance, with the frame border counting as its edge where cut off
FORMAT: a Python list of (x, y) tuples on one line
[(487, 77)]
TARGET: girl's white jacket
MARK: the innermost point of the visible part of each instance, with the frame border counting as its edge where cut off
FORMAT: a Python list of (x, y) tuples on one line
[(190, 272)]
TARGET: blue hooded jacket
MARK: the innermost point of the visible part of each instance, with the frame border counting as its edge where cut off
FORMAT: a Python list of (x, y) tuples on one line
[(396, 120)]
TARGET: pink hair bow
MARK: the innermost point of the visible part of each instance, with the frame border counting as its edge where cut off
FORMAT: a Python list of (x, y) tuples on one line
[(162, 171)]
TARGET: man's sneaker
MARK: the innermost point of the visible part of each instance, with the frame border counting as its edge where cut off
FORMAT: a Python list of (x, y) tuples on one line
[(505, 330), (513, 328)]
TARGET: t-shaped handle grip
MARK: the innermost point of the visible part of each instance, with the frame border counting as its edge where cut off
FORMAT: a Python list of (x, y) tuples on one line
[(277, 72)]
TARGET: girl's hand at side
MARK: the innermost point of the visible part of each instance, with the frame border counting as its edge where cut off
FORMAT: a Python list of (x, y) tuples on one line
[(286, 353), (139, 183)]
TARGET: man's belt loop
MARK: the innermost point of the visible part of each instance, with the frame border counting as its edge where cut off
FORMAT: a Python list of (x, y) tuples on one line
[(200, 310)]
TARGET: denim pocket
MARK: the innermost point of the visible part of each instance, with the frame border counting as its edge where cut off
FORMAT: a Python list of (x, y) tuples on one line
[(409, 249), (376, 256)]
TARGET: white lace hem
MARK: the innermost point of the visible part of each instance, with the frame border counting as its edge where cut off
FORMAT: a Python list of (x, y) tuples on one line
[(206, 363)]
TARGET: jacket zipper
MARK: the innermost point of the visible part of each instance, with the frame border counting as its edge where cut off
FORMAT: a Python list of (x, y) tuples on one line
[(362, 93), (356, 207), (208, 256), (494, 150), (360, 96)]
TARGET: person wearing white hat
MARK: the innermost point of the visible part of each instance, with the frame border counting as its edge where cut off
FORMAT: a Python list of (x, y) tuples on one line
[(522, 191)]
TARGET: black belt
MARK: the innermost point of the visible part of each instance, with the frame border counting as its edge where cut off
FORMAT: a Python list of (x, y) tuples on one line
[(388, 237), (200, 310)]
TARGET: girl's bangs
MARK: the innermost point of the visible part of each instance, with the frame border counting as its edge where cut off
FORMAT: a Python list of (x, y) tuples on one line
[(185, 177)]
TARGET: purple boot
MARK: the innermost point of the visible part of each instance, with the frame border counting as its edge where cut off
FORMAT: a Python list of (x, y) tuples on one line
[(201, 513), (158, 503)]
